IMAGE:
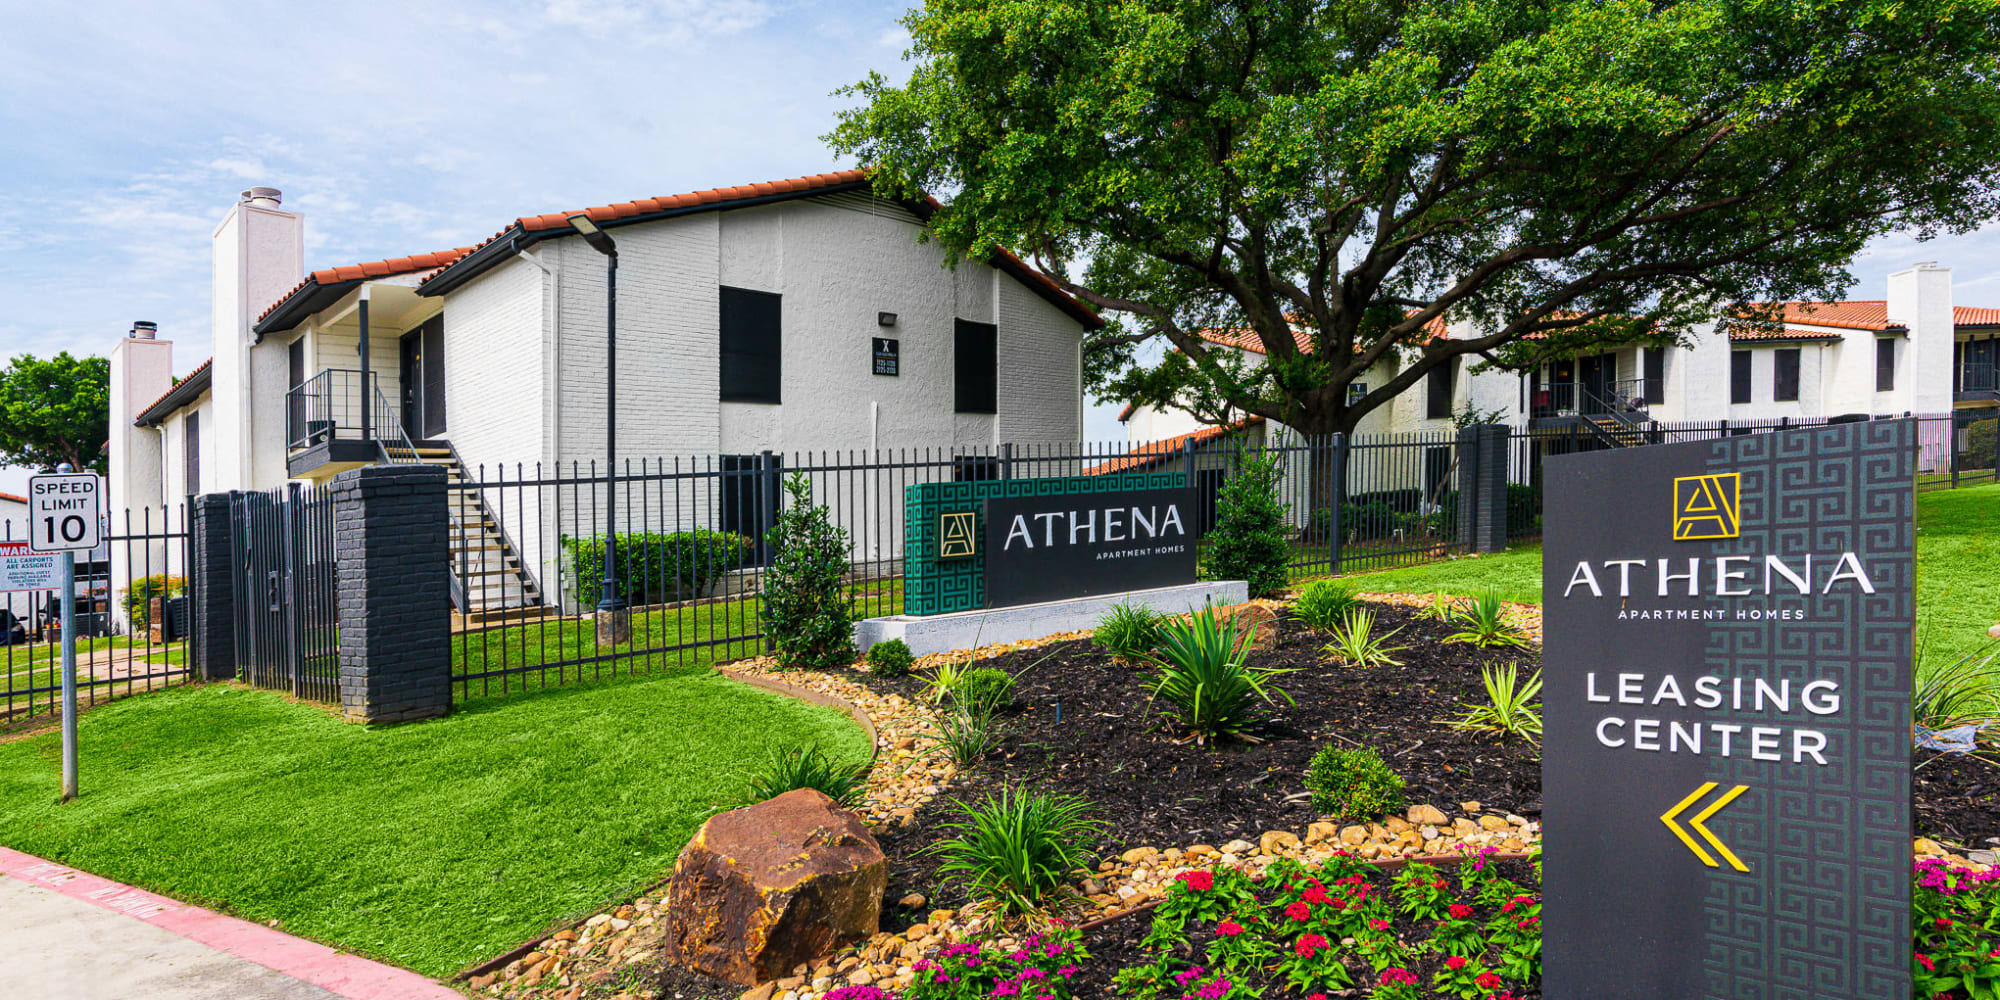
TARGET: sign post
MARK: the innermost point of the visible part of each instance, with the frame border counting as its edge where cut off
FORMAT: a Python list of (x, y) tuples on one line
[(65, 514), (1728, 628)]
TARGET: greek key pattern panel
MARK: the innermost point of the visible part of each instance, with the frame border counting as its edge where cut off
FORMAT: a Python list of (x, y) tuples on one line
[(1828, 848), (933, 585)]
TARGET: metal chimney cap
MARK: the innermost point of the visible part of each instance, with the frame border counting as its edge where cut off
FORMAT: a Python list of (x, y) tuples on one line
[(144, 329), (270, 194)]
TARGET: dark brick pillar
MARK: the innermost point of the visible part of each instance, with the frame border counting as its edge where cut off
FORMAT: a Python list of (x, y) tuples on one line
[(1482, 488), (391, 580), (212, 596)]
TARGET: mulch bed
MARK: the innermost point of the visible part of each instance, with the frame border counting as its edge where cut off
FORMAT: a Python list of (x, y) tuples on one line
[(1082, 723), (1956, 798)]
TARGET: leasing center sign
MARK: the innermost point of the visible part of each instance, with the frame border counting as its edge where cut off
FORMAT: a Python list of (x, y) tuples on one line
[(1727, 761)]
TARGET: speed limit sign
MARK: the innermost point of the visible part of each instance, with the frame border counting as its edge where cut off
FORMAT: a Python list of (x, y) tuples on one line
[(64, 512)]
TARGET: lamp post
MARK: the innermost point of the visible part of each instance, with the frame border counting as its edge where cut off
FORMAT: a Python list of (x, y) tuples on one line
[(614, 617)]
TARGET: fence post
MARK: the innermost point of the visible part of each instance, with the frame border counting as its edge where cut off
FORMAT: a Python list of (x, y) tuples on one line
[(212, 598), (1482, 488), (1336, 493), (392, 567), (1007, 460)]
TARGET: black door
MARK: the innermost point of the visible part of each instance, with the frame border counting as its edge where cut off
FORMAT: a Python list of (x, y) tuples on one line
[(1595, 374), (1562, 386), (433, 365), (411, 378)]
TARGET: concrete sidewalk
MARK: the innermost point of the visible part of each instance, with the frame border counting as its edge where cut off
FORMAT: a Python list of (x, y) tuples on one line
[(71, 934)]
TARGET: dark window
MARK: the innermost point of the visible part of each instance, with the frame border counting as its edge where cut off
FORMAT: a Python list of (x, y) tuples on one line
[(433, 331), (295, 360), (975, 469), (1438, 396), (752, 338), (191, 451), (1656, 376), (1207, 498), (1785, 374), (1739, 376), (975, 367), (1885, 364)]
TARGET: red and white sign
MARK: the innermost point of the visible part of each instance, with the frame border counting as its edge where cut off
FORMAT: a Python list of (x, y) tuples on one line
[(22, 569)]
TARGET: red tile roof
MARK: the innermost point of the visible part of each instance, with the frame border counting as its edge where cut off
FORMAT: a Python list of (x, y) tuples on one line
[(1974, 316), (1155, 452), (1860, 314), (1126, 413), (11, 498), (370, 269)]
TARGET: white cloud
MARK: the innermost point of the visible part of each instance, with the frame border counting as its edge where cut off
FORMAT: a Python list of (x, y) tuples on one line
[(657, 21)]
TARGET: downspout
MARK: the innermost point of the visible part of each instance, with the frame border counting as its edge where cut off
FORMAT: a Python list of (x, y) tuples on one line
[(555, 377)]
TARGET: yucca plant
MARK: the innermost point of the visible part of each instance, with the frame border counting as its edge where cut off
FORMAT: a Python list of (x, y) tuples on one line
[(1322, 603), (1019, 848), (1483, 623), (963, 732), (1510, 708), (1442, 608), (945, 678), (791, 769), (1962, 692), (1356, 644), (1201, 667), (1127, 631)]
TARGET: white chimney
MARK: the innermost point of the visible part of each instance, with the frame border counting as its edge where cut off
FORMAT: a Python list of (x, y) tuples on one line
[(1920, 300), (259, 256), (142, 370)]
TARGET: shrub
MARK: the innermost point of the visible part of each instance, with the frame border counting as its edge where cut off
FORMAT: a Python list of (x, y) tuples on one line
[(1201, 668), (1981, 439), (1127, 631), (986, 689), (963, 733), (1353, 783), (804, 611), (1323, 602), (1960, 692), (1482, 622), (890, 658), (654, 568), (1442, 608), (139, 597), (1509, 708), (789, 770), (1356, 644), (1019, 848), (1248, 540)]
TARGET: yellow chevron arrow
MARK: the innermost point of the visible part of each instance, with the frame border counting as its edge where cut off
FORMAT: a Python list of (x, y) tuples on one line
[(1706, 834)]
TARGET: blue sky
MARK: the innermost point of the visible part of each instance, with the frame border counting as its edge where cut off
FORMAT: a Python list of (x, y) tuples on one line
[(405, 127)]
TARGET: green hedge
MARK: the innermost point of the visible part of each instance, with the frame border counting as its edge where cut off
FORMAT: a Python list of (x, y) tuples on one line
[(654, 568)]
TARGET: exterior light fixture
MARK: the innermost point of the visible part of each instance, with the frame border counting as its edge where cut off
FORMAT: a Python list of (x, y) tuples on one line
[(885, 319), (597, 238), (614, 618)]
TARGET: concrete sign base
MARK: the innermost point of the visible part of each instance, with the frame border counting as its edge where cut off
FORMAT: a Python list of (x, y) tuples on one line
[(966, 629)]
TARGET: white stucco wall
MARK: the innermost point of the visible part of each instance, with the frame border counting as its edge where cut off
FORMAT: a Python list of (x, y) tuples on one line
[(259, 255), (141, 371)]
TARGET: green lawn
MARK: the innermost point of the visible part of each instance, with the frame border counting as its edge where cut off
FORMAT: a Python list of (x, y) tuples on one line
[(431, 845), (1958, 572)]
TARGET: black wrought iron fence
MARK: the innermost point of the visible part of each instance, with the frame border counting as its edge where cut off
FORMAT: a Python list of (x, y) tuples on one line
[(287, 621), (132, 618)]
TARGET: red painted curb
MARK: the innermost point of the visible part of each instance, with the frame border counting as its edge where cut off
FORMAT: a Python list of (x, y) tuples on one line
[(347, 975)]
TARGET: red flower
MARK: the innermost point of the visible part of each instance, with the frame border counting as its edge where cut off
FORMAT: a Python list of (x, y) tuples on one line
[(1316, 895), (1299, 911), (1454, 963), (1398, 976), (1488, 981), (1925, 961), (1459, 911), (1198, 881), (1439, 884), (1379, 924), (1309, 945), (1317, 996), (1229, 928), (1944, 921)]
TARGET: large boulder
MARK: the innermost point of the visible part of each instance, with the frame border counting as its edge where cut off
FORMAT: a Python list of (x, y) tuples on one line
[(762, 889)]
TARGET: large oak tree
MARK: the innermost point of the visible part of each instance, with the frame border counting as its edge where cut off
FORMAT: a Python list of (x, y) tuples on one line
[(55, 411), (1585, 172)]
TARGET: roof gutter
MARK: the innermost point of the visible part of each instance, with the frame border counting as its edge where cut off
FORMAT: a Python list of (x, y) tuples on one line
[(185, 391), (300, 305)]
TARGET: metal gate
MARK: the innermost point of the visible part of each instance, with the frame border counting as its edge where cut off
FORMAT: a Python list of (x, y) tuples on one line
[(287, 638)]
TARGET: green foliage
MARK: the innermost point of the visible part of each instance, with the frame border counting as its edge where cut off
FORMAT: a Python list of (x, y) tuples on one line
[(1356, 644), (1322, 602), (986, 689), (890, 658), (1353, 783), (1127, 631), (945, 678), (55, 411), (654, 568), (139, 598), (1953, 693), (995, 967), (1510, 708), (963, 733), (1201, 667), (1019, 847), (789, 769), (1981, 439), (1954, 914), (1483, 623), (1369, 168), (1248, 540), (804, 612), (1440, 609)]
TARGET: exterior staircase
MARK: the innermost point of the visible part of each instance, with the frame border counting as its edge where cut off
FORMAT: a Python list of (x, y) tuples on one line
[(1616, 432), (489, 584)]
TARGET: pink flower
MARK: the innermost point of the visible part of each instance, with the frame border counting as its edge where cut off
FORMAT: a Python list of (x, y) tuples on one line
[(1229, 928), (1379, 924), (1316, 894), (1398, 977), (1459, 911), (1488, 981), (1926, 962), (1454, 963), (1309, 945), (1198, 881), (1299, 911)]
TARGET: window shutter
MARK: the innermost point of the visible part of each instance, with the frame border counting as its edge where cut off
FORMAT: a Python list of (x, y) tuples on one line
[(975, 367), (1785, 374), (1739, 376), (1437, 402), (752, 346), (1885, 364), (191, 451), (1656, 376), (433, 346)]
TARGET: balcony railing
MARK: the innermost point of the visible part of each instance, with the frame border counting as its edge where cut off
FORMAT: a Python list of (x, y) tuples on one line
[(1607, 397), (1977, 379), (339, 405)]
